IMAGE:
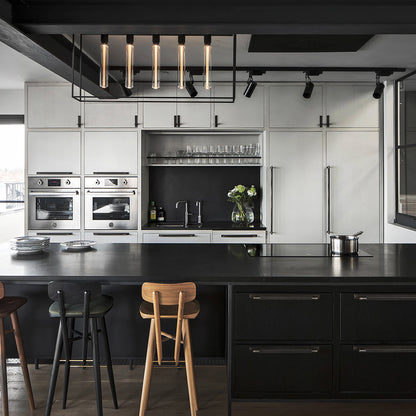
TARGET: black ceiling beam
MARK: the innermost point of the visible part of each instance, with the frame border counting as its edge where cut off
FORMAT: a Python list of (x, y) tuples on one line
[(216, 17)]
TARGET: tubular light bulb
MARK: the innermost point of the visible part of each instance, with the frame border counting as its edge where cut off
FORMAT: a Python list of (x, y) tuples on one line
[(181, 62), (207, 62), (129, 62), (156, 63), (104, 62)]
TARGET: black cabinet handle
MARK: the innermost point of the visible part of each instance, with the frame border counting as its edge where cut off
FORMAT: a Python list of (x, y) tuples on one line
[(54, 173), (177, 235), (79, 121), (52, 234), (216, 121), (111, 233), (239, 235), (136, 121), (321, 123), (284, 296), (384, 296), (371, 349), (327, 121), (174, 121), (178, 122), (284, 350), (111, 173)]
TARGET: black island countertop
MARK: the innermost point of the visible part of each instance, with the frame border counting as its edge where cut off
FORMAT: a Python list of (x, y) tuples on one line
[(207, 264)]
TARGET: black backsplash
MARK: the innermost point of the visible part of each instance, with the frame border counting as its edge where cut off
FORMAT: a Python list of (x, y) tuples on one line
[(208, 184)]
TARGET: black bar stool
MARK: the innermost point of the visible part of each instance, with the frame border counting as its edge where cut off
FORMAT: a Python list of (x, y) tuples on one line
[(74, 300)]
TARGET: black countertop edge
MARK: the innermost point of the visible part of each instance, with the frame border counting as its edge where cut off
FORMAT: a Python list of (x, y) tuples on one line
[(214, 225)]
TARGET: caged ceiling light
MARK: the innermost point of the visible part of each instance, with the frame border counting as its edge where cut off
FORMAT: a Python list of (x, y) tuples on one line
[(104, 61), (129, 74), (181, 62), (156, 62)]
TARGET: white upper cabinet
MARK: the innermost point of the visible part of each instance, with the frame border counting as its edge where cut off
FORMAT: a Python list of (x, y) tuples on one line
[(106, 114), (354, 197), (288, 108), (158, 114), (111, 153), (53, 153), (194, 114), (297, 188), (52, 106), (352, 106), (244, 112)]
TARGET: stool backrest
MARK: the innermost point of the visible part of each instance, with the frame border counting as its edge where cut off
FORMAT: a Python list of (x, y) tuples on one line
[(1, 290), (73, 292), (162, 294)]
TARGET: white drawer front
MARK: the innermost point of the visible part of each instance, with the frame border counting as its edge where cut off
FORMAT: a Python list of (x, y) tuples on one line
[(58, 237), (111, 237), (239, 237), (177, 237)]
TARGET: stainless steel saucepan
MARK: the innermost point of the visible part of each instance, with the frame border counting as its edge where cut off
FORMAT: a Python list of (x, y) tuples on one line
[(344, 244)]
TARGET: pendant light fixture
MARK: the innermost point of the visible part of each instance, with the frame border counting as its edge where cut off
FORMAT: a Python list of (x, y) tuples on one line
[(250, 87), (156, 62), (104, 62), (309, 85), (378, 90), (181, 62), (128, 81), (207, 62)]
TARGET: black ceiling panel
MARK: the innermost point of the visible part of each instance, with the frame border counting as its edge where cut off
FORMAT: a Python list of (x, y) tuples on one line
[(307, 43)]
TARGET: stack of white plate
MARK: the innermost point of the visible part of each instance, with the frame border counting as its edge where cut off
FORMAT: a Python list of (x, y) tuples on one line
[(29, 244)]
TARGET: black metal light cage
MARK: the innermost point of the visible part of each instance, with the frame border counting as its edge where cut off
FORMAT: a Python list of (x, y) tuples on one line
[(400, 218), (160, 99)]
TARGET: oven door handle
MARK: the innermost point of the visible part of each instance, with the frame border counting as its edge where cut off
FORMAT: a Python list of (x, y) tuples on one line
[(110, 194), (51, 193)]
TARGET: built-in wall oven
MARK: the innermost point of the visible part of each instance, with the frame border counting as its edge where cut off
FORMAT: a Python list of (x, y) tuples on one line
[(54, 203), (111, 203)]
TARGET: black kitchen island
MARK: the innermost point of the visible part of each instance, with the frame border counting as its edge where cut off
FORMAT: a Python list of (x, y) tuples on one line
[(290, 327)]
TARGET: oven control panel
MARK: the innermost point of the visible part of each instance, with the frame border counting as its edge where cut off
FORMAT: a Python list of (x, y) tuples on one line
[(111, 182), (53, 183)]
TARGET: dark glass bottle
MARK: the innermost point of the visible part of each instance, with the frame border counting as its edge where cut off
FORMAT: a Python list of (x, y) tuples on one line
[(161, 217), (152, 211)]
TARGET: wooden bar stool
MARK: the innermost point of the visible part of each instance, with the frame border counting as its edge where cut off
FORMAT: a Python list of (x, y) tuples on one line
[(169, 301), (8, 307), (84, 301)]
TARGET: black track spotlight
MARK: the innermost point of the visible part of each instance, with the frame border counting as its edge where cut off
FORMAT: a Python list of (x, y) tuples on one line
[(378, 90), (189, 85), (307, 92), (251, 86)]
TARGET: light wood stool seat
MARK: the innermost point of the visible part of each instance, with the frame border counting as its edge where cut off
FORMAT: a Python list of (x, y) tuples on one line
[(8, 307), (169, 301)]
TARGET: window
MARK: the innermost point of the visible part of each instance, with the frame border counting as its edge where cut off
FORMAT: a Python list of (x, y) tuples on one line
[(12, 158)]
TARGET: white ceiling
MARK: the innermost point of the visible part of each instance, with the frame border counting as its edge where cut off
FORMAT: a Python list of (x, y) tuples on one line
[(380, 51)]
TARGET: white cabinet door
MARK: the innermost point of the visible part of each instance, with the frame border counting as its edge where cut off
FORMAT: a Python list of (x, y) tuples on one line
[(297, 196), (54, 153), (244, 112), (352, 106), (111, 237), (52, 106), (239, 237), (194, 115), (157, 114), (111, 115), (112, 152), (355, 183), (177, 236), (288, 108)]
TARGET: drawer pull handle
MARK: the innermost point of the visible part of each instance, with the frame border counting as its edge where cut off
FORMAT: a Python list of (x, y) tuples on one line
[(239, 235), (177, 235), (390, 349), (53, 173), (111, 173), (111, 233), (383, 296), (284, 350), (283, 296), (53, 234)]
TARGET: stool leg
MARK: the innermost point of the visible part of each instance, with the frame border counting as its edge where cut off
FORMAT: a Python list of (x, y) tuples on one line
[(96, 362), (5, 396), (190, 376), (22, 356), (109, 362), (54, 372), (68, 362), (148, 369)]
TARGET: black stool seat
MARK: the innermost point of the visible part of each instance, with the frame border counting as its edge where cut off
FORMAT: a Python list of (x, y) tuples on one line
[(98, 307)]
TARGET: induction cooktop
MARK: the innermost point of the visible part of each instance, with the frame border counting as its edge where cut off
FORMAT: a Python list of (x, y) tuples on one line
[(296, 250)]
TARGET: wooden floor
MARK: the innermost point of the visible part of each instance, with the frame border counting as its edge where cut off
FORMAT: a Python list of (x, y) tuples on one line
[(168, 396)]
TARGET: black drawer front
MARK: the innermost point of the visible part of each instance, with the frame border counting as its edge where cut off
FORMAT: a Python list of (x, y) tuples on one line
[(384, 317), (378, 369), (259, 370), (283, 316)]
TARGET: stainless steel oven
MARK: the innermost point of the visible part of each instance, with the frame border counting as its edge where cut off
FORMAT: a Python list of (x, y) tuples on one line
[(111, 203), (54, 203)]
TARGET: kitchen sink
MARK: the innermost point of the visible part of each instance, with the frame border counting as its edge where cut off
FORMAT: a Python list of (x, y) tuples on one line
[(176, 225)]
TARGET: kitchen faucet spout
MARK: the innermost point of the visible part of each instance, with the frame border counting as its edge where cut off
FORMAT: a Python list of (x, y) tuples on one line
[(186, 212)]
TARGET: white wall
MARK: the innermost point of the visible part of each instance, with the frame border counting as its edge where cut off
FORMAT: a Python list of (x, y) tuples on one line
[(393, 233), (12, 101)]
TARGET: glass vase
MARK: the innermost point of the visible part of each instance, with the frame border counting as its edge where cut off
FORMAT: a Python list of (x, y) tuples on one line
[(242, 214)]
